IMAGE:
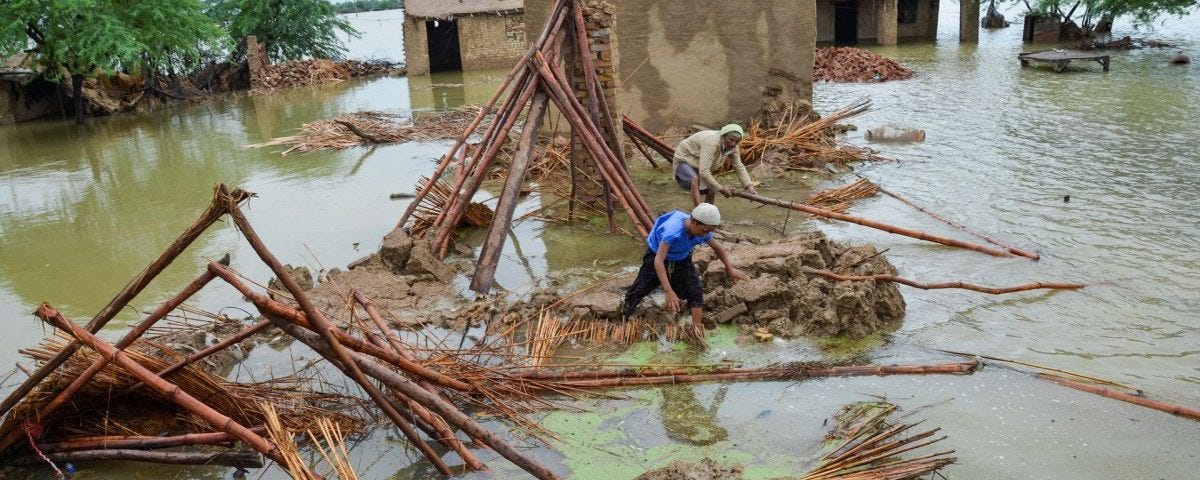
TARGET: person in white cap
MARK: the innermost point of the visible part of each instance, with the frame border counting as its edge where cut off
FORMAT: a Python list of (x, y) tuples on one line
[(696, 155), (668, 261)]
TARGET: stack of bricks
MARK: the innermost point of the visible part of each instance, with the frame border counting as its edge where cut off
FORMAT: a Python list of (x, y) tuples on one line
[(600, 22)]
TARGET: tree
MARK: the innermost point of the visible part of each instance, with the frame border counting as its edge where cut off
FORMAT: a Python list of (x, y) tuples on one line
[(291, 29), (1098, 14), (80, 38)]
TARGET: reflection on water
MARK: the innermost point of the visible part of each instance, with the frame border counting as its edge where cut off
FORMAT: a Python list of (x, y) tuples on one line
[(686, 420)]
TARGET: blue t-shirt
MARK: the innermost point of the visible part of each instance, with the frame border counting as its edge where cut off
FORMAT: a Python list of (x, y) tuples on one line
[(669, 228)]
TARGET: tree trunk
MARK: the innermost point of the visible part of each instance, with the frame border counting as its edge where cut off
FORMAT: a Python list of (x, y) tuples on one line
[(77, 93)]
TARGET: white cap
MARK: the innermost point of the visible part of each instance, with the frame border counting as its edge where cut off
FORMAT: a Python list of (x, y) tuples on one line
[(707, 214)]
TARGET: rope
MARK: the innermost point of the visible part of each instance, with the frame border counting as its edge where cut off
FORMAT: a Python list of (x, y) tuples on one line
[(35, 430)]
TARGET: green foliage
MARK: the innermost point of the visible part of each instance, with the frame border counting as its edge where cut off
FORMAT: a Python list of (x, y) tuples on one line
[(291, 29), (84, 36), (368, 5), (1143, 12)]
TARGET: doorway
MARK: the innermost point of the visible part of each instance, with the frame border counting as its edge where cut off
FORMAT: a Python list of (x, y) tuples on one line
[(845, 22), (444, 51)]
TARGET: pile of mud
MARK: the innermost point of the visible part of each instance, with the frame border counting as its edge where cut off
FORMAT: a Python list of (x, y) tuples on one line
[(781, 297)]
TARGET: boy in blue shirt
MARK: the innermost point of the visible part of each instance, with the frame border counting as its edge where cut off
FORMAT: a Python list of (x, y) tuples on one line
[(668, 261)]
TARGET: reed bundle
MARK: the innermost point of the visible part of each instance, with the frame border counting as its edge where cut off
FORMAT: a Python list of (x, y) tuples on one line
[(435, 201), (803, 142), (373, 127), (839, 199), (871, 448)]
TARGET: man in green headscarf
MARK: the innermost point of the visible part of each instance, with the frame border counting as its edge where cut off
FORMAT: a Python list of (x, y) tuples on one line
[(696, 156)]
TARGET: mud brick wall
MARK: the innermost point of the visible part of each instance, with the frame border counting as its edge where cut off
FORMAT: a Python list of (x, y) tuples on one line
[(491, 41), (871, 23), (706, 61), (600, 22), (8, 103), (256, 59)]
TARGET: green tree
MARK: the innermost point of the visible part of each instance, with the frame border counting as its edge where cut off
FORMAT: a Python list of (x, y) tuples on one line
[(291, 29), (1099, 14), (79, 38)]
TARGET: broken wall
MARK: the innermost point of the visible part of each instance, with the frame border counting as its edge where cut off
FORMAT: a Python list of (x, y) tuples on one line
[(709, 62), (20, 102)]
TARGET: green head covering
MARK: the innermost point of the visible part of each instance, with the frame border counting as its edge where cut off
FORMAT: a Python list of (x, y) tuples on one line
[(732, 128)]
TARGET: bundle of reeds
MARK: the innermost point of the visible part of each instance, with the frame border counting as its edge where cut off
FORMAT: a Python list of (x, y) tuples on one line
[(477, 214), (372, 128), (803, 143), (839, 199), (871, 448)]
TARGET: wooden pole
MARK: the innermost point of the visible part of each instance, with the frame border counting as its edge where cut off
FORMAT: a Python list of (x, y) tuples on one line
[(435, 403), (873, 224), (1187, 412), (168, 390), (228, 458), (216, 208), (493, 245), (1010, 248), (770, 373), (143, 443), (935, 286), (325, 329)]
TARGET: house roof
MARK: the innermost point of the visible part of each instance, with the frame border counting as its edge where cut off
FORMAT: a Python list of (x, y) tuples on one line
[(449, 8)]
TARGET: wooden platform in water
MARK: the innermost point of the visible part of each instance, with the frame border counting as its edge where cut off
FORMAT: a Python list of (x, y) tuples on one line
[(1060, 58)]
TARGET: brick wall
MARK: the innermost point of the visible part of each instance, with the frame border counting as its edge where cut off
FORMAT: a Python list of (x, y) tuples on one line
[(256, 59), (491, 41), (416, 46), (600, 22)]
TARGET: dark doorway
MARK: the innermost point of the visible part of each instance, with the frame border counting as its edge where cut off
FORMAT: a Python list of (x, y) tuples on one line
[(444, 52), (845, 22)]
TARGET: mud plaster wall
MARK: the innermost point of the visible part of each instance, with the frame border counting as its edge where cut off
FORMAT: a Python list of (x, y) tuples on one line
[(706, 61), (416, 46), (925, 26)]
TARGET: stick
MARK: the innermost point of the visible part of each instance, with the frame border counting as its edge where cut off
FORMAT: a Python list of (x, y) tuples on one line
[(216, 208), (143, 443), (1187, 412), (873, 224), (1010, 248), (936, 286), (1041, 367), (773, 373), (229, 458), (489, 255)]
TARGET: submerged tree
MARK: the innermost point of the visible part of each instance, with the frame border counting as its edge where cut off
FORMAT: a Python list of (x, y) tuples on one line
[(81, 38), (291, 29), (1098, 15)]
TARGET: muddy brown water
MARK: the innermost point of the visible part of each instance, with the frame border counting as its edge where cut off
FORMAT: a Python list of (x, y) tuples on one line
[(83, 209)]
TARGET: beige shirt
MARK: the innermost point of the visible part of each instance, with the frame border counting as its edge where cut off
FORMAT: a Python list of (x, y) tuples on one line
[(702, 150)]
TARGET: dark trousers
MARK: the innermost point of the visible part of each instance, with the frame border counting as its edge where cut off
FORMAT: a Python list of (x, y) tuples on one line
[(682, 275)]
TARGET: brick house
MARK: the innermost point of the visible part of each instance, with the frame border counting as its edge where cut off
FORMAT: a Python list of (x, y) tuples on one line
[(883, 21), (441, 35)]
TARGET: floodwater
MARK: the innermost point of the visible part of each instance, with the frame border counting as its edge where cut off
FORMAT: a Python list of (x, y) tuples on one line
[(82, 210)]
